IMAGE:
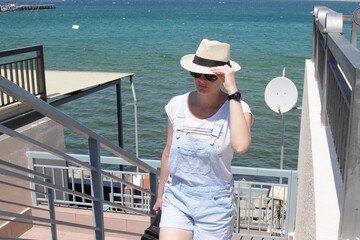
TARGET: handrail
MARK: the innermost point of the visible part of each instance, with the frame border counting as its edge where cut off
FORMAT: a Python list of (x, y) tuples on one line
[(68, 122), (44, 183), (17, 51), (337, 69), (336, 61), (95, 142)]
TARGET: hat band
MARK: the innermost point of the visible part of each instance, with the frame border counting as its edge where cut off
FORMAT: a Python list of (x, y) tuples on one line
[(209, 63)]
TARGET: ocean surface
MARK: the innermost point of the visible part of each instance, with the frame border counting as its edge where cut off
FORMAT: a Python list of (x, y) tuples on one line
[(148, 38)]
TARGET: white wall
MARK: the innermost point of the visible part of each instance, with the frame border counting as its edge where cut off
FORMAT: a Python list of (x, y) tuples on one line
[(14, 151)]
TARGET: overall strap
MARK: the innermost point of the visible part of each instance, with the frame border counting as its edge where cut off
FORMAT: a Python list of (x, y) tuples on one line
[(216, 130), (179, 125), (218, 125)]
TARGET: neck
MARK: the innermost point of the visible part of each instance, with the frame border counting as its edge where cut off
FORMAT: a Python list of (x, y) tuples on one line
[(204, 106), (211, 100)]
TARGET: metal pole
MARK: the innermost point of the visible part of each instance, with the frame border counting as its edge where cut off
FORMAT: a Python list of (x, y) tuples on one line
[(135, 117), (324, 118), (282, 141), (97, 189), (313, 56), (354, 33), (40, 71), (355, 24), (50, 193), (282, 134), (119, 115), (120, 123)]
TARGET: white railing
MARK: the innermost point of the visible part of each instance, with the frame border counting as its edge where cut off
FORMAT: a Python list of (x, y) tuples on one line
[(126, 188), (264, 206)]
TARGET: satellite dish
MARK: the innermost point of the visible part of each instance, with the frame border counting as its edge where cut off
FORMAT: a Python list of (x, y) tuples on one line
[(281, 95)]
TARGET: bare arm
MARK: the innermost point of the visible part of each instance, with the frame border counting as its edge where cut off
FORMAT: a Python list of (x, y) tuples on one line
[(239, 122), (164, 168), (240, 127)]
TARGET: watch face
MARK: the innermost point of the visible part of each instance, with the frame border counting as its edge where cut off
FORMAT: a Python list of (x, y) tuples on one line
[(236, 96)]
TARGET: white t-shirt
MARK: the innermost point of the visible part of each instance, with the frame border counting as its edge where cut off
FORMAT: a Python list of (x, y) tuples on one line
[(202, 128)]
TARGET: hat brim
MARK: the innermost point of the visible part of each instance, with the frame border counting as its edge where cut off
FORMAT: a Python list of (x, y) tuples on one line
[(187, 63)]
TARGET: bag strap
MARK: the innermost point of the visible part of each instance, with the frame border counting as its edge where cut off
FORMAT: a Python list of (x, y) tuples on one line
[(157, 219)]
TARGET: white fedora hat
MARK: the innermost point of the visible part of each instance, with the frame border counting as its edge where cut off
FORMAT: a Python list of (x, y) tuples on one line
[(209, 54)]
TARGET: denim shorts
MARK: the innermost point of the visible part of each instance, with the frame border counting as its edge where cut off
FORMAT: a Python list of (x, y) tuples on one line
[(206, 211)]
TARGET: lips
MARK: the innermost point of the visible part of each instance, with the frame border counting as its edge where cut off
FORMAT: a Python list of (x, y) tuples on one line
[(202, 87)]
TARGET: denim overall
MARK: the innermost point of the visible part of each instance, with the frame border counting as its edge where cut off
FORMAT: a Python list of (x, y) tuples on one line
[(196, 197)]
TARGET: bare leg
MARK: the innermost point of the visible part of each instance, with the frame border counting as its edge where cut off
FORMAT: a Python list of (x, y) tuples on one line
[(175, 234)]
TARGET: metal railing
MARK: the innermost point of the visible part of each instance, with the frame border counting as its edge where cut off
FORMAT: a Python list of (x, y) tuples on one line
[(337, 69), (43, 186), (95, 143), (264, 209), (130, 189), (27, 175), (25, 68), (336, 61)]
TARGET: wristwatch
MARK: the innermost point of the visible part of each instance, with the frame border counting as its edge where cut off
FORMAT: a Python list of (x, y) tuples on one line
[(236, 96)]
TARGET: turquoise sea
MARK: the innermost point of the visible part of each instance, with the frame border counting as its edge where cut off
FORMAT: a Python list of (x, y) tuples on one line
[(148, 38)]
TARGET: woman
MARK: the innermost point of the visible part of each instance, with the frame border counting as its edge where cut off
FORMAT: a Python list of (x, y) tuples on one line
[(205, 128)]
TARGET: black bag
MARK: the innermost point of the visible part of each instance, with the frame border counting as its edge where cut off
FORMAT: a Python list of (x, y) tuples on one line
[(152, 232)]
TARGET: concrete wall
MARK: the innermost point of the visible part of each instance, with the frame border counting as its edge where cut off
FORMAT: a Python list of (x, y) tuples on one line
[(305, 209), (14, 151), (319, 185)]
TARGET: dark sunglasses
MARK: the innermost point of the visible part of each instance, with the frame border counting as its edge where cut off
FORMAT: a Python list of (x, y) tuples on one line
[(209, 77)]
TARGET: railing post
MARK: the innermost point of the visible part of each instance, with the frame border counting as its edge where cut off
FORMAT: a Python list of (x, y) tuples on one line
[(97, 188), (324, 117), (315, 36), (135, 117), (119, 115), (333, 24), (355, 25), (319, 44), (50, 193), (316, 41), (292, 196), (32, 185), (40, 73)]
